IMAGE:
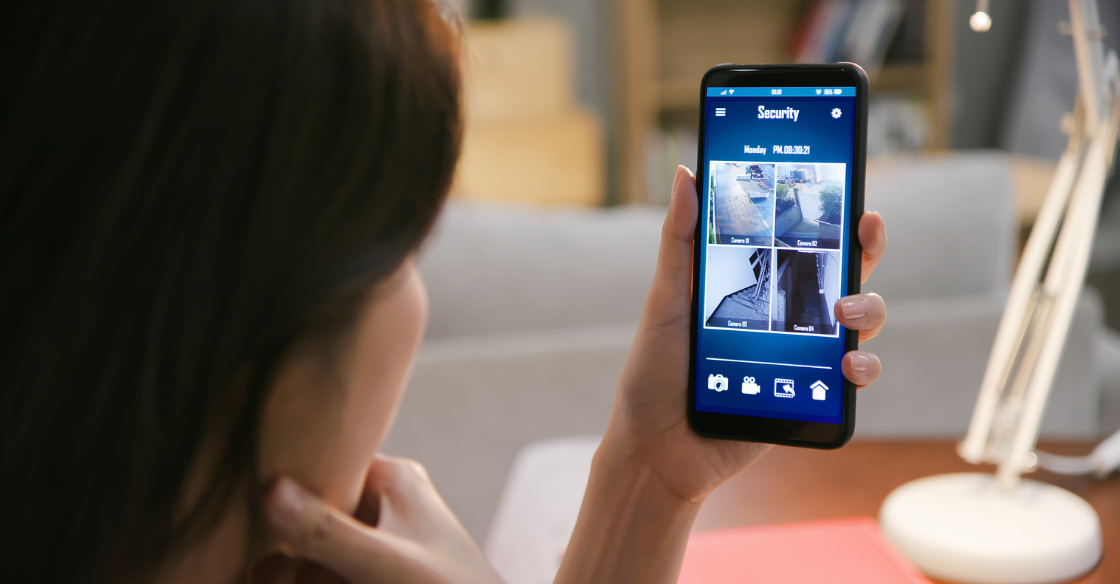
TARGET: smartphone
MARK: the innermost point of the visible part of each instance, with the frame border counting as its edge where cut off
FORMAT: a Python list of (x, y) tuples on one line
[(780, 179)]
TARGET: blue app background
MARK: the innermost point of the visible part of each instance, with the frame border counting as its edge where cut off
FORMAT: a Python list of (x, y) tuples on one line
[(758, 365)]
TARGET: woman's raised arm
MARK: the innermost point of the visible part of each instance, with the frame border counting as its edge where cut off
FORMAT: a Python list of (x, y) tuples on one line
[(652, 472)]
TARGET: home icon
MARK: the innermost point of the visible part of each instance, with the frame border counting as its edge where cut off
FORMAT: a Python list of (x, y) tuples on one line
[(819, 390)]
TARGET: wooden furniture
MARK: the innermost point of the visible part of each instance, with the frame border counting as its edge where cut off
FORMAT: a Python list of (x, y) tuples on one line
[(527, 139), (792, 484), (663, 48)]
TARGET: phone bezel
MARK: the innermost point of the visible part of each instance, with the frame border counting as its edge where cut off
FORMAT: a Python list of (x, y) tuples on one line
[(774, 430)]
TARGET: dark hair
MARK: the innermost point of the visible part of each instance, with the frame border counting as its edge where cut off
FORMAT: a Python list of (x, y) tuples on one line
[(187, 189)]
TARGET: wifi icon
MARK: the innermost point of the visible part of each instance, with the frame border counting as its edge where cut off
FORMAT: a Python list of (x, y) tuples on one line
[(731, 91)]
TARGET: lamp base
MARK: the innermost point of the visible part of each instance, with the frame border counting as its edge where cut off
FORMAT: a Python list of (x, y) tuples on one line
[(963, 527)]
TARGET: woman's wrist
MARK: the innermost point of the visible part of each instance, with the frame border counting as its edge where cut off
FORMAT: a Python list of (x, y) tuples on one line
[(626, 457), (631, 454), (631, 527)]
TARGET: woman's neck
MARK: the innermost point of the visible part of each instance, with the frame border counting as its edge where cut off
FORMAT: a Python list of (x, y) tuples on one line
[(219, 557)]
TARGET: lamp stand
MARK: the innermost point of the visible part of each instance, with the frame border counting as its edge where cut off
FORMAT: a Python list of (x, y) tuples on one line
[(999, 528)]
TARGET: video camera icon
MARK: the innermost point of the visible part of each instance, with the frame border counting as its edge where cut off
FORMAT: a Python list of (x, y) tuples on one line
[(750, 387)]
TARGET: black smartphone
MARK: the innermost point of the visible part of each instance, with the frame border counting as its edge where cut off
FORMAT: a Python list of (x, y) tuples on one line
[(780, 180)]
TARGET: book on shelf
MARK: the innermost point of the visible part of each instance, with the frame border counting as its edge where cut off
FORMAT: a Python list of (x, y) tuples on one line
[(859, 31)]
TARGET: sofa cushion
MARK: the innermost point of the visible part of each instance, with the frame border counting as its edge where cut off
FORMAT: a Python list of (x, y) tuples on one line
[(505, 268), (952, 224)]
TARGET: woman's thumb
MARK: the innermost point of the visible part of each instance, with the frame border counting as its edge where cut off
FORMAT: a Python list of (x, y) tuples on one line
[(310, 529), (671, 291)]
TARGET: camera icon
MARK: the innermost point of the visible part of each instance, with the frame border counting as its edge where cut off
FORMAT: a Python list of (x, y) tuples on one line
[(717, 382)]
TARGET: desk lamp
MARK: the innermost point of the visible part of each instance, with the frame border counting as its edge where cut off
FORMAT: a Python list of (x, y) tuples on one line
[(1001, 528)]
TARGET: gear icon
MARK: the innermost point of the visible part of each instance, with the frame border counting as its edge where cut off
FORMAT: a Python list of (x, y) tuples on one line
[(836, 113)]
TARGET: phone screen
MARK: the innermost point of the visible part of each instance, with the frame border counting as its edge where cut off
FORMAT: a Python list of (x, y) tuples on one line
[(775, 183)]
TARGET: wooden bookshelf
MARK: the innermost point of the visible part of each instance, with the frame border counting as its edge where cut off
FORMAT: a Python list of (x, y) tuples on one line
[(664, 47)]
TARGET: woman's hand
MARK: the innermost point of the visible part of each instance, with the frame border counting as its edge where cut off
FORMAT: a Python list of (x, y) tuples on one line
[(403, 532), (649, 423), (652, 472)]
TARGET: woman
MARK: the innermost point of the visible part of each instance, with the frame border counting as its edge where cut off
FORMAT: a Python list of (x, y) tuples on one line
[(209, 214)]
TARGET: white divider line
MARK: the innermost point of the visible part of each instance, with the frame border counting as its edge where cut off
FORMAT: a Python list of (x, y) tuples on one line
[(768, 363)]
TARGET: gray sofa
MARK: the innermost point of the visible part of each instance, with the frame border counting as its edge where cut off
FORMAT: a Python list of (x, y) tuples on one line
[(533, 312)]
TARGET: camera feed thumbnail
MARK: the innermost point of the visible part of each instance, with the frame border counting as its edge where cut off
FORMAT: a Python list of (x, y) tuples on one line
[(810, 205), (741, 203), (806, 287), (737, 288)]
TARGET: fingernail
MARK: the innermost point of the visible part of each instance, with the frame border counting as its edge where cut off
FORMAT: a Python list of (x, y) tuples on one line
[(854, 307), (860, 363), (288, 499), (681, 170)]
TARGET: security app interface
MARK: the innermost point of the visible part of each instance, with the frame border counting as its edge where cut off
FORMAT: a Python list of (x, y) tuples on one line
[(774, 188)]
